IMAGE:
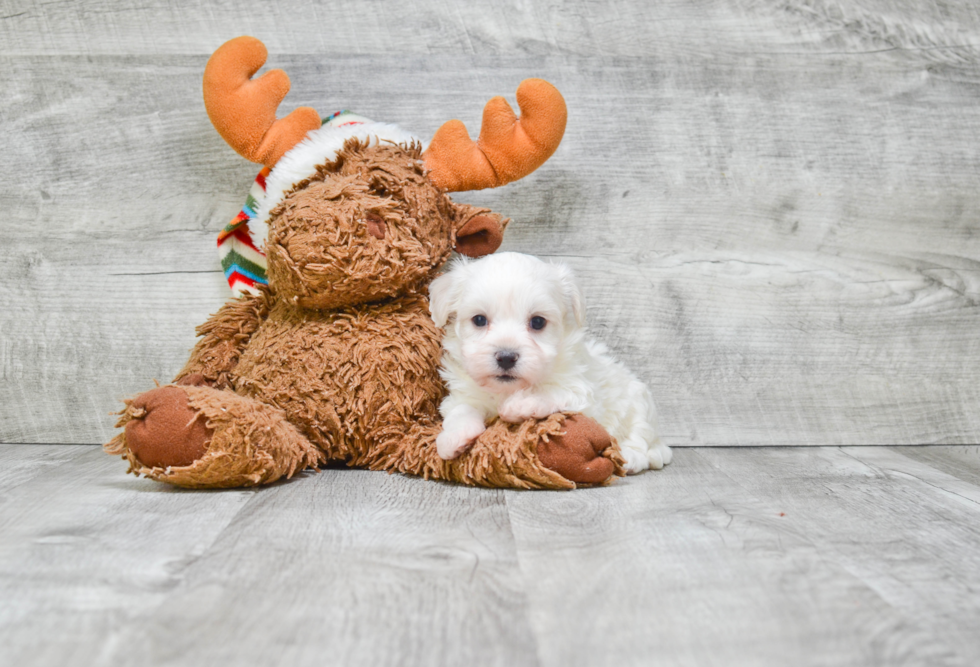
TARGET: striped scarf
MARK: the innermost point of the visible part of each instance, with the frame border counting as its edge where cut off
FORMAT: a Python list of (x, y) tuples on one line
[(242, 261)]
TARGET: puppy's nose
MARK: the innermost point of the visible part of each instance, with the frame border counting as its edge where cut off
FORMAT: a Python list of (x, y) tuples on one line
[(506, 359)]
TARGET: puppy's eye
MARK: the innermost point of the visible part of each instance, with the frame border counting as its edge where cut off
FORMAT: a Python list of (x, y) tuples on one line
[(538, 323), (479, 320)]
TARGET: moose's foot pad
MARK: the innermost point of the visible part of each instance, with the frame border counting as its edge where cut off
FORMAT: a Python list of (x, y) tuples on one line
[(201, 437), (582, 452), (164, 430)]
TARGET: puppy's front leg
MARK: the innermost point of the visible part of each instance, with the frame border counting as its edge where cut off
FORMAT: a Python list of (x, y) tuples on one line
[(523, 405), (460, 428)]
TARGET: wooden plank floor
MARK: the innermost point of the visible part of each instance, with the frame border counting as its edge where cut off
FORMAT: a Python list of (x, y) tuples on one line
[(730, 556)]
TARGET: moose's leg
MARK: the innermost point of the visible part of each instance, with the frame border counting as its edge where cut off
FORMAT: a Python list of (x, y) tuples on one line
[(201, 437), (559, 452), (222, 339)]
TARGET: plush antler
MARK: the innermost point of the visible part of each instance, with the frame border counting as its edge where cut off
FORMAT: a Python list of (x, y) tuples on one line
[(509, 147), (243, 111)]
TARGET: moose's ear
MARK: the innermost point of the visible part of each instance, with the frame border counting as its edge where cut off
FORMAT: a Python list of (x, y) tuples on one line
[(481, 235)]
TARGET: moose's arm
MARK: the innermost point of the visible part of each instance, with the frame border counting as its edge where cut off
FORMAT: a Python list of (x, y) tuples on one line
[(223, 337)]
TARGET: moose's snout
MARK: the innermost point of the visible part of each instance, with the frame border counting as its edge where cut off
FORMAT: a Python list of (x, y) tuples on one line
[(506, 359)]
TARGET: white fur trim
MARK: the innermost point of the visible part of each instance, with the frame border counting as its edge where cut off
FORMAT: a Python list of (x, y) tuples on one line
[(319, 147)]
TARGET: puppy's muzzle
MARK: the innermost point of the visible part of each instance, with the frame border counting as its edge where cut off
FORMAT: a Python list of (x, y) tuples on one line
[(506, 359)]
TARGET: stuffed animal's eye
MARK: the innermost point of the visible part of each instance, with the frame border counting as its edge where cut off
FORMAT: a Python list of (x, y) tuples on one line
[(479, 320), (538, 323), (376, 225)]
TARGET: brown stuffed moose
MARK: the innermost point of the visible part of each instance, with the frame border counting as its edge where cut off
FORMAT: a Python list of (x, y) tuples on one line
[(336, 359)]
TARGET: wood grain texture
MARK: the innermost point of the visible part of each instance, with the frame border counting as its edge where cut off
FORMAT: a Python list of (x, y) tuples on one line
[(755, 556), (84, 547), (496, 27), (344, 567), (934, 525), (21, 463), (958, 461), (373, 569), (730, 556), (772, 204)]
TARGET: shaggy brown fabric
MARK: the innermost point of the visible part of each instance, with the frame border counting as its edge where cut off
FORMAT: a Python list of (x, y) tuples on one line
[(193, 380), (338, 359), (223, 337), (503, 456), (251, 443), (321, 252), (344, 377)]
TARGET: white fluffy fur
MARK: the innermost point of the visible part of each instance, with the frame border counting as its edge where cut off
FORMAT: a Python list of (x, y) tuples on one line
[(557, 369), (319, 147)]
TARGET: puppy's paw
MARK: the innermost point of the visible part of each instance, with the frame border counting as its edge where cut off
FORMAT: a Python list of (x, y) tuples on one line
[(451, 443), (639, 457), (518, 407), (636, 460), (659, 455)]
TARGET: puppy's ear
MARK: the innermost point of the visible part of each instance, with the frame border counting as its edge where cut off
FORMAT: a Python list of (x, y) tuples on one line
[(442, 298), (571, 294)]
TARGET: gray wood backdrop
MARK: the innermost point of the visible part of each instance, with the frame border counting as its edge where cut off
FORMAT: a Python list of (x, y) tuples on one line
[(772, 204)]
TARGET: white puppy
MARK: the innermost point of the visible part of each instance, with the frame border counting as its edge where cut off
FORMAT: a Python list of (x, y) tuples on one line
[(515, 347)]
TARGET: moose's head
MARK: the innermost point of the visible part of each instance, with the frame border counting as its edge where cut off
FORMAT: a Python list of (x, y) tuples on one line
[(356, 211)]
